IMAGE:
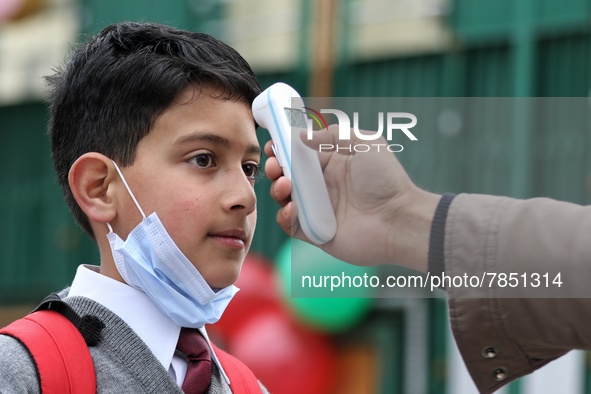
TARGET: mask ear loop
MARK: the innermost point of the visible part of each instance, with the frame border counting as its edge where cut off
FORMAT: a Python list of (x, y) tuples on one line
[(130, 193)]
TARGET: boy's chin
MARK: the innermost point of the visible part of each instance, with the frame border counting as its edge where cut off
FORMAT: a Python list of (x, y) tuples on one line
[(223, 282)]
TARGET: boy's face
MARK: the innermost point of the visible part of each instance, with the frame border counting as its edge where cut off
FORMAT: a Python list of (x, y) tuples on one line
[(196, 170)]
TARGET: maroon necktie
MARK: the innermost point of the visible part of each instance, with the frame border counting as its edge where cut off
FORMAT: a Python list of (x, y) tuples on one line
[(192, 343)]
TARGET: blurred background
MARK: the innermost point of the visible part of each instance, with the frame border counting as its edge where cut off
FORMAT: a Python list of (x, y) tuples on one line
[(407, 48)]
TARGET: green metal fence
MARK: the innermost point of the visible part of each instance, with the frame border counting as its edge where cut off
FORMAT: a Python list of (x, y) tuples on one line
[(40, 247)]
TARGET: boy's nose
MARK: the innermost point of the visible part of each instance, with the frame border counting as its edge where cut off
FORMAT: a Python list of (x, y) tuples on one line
[(240, 195)]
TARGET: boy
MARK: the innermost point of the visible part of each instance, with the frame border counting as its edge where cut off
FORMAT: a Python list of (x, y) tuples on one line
[(154, 145)]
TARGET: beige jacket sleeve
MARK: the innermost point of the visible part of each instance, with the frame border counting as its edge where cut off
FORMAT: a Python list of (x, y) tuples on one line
[(506, 331)]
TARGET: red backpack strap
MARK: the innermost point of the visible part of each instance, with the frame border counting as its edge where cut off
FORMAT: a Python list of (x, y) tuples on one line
[(242, 379), (60, 352)]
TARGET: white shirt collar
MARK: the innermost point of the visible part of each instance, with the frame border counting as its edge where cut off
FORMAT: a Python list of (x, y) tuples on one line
[(136, 309)]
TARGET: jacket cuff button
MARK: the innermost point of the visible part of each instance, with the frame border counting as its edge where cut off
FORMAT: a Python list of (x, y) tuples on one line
[(499, 374), (489, 352)]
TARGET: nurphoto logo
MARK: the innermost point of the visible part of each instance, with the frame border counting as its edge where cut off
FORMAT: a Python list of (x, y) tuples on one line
[(393, 124)]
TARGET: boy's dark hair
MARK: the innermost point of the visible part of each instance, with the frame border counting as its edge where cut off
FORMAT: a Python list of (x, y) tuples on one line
[(108, 95)]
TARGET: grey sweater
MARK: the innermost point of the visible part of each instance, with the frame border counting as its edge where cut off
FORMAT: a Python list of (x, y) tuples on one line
[(123, 362)]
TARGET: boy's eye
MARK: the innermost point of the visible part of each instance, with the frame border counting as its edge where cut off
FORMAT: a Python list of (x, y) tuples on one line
[(251, 170), (203, 160)]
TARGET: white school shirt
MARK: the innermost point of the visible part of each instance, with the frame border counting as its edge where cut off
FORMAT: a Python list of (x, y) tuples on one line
[(136, 309)]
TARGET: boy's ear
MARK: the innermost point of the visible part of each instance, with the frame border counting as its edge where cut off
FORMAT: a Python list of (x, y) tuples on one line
[(90, 177)]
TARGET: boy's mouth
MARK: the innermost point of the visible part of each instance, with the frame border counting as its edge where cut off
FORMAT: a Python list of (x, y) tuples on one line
[(234, 238)]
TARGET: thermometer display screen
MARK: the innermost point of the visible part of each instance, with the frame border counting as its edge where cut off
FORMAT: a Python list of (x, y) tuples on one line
[(296, 118)]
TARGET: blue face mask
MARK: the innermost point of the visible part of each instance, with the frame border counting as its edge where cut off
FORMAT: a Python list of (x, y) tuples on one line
[(150, 261)]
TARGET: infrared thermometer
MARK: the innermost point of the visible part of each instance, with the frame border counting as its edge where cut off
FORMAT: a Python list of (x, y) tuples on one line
[(280, 109)]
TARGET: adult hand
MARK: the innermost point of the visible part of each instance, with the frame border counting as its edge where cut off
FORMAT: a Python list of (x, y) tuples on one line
[(382, 217)]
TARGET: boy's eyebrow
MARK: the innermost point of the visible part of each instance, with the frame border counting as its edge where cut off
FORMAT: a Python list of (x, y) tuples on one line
[(216, 139)]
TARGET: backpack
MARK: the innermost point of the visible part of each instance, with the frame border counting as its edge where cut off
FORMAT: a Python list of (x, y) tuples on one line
[(58, 340)]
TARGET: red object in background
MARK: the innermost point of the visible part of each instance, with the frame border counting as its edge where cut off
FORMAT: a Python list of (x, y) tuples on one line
[(285, 357), (258, 293), (257, 329)]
